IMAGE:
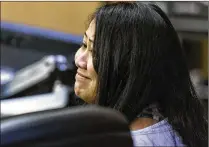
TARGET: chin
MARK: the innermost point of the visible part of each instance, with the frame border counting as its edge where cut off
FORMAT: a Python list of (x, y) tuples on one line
[(84, 92), (77, 91), (84, 95), (81, 94)]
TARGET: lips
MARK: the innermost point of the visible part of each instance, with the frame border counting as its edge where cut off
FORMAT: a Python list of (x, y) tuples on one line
[(82, 75)]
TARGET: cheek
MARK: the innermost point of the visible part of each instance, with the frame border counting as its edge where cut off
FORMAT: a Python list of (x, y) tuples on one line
[(91, 70)]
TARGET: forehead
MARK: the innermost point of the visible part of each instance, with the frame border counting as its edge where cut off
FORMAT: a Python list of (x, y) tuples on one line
[(90, 32)]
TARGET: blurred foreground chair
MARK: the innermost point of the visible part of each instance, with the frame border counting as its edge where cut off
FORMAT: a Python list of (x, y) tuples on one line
[(86, 126)]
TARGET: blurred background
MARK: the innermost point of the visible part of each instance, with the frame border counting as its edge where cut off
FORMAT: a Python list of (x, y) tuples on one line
[(49, 33)]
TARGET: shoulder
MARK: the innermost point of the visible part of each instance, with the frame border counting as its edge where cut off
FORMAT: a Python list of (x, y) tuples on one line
[(159, 134)]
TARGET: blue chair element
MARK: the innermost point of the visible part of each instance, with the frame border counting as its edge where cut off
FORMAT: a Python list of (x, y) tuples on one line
[(36, 31)]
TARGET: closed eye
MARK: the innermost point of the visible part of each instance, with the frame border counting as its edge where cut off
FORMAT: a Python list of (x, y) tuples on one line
[(84, 45)]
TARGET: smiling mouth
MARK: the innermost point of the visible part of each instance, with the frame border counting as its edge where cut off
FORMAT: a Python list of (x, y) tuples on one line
[(80, 75)]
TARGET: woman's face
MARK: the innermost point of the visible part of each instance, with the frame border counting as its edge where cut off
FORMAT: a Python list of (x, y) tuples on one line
[(86, 77)]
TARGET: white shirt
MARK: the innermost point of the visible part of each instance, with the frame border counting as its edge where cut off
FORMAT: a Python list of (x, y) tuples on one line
[(159, 134)]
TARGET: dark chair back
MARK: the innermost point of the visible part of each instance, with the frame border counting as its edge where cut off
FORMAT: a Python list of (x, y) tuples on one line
[(83, 126)]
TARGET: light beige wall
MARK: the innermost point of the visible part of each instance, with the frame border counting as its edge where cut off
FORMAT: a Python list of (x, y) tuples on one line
[(67, 17)]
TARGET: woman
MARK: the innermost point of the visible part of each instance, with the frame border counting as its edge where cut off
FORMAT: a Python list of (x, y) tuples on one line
[(131, 60)]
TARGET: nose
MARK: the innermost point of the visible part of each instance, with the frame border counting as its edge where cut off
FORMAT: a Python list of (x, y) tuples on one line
[(81, 59)]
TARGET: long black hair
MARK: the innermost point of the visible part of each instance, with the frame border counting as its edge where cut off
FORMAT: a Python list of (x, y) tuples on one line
[(139, 60)]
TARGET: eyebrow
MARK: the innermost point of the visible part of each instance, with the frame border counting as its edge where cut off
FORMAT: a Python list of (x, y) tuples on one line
[(88, 37)]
